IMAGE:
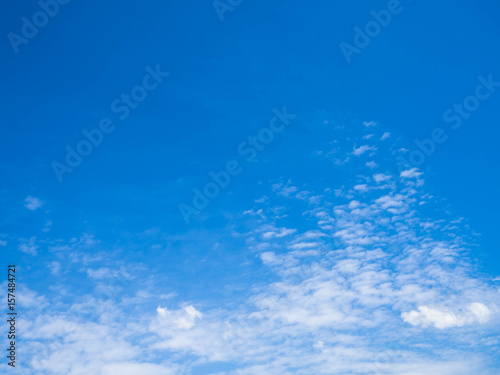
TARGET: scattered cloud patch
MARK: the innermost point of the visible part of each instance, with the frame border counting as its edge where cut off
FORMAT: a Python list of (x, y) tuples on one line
[(362, 149), (411, 173), (284, 189), (32, 203), (380, 177), (184, 318), (28, 246), (361, 187), (278, 233)]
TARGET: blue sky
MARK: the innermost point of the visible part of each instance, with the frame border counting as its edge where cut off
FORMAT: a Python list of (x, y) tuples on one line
[(323, 246)]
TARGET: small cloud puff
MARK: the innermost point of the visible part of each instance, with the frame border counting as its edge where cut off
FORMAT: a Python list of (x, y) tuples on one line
[(32, 203), (362, 149), (285, 190), (28, 246), (440, 319), (411, 173), (361, 187), (47, 226), (354, 204), (380, 177), (278, 233), (55, 268), (184, 318), (385, 136)]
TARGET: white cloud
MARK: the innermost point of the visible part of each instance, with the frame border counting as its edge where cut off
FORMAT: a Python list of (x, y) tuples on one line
[(354, 204), (481, 312), (411, 173), (28, 246), (31, 300), (361, 187), (380, 177), (75, 348), (391, 201), (426, 316), (252, 212), (362, 149), (47, 226), (278, 233), (303, 245), (180, 319), (105, 273), (131, 368), (441, 319), (385, 136), (285, 190), (269, 258), (32, 203), (55, 268)]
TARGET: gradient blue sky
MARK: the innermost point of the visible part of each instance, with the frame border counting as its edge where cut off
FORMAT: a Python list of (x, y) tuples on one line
[(112, 227)]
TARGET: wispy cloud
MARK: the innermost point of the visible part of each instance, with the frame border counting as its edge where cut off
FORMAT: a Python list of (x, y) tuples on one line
[(32, 203), (28, 246), (362, 149)]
